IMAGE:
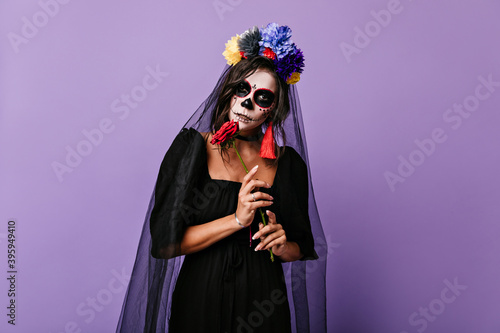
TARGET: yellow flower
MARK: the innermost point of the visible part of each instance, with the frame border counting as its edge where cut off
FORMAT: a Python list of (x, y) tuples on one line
[(232, 52), (294, 78)]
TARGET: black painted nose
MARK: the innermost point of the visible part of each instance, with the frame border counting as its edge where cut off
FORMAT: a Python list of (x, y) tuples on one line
[(247, 103)]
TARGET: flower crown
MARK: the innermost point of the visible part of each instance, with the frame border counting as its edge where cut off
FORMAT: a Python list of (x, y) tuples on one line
[(272, 42)]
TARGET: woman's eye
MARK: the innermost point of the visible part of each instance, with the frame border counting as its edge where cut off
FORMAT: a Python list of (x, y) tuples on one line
[(242, 89), (264, 98)]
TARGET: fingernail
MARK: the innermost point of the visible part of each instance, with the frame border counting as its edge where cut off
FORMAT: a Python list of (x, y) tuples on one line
[(271, 197), (254, 237), (255, 167)]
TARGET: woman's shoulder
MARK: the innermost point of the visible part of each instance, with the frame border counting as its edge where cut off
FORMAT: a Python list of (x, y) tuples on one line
[(188, 133), (188, 144), (293, 156), (291, 165), (191, 136)]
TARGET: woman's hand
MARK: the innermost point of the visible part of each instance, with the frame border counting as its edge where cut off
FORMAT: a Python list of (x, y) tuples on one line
[(249, 202), (272, 235)]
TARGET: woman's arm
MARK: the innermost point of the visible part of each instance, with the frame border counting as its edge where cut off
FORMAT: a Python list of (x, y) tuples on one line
[(199, 237)]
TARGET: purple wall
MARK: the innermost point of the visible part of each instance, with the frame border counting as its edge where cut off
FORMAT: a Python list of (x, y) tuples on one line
[(401, 105)]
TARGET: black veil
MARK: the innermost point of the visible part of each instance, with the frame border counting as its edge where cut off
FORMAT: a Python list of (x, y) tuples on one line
[(146, 307)]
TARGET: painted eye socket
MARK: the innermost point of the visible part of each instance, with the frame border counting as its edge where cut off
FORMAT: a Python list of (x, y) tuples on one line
[(243, 88), (263, 98)]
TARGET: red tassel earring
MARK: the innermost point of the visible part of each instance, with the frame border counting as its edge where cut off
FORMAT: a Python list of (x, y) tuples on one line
[(267, 146)]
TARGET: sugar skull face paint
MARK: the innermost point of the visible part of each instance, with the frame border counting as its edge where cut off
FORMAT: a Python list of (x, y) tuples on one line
[(263, 97), (254, 99)]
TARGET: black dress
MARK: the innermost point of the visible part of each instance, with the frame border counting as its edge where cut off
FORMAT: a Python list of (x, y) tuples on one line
[(226, 287)]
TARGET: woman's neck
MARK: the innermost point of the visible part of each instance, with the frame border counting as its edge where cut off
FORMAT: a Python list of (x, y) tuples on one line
[(253, 137), (244, 146), (251, 132)]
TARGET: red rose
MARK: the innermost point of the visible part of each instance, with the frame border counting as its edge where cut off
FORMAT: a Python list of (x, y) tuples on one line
[(226, 132)]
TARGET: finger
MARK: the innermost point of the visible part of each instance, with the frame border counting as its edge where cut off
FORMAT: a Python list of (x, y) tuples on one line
[(268, 229), (253, 184), (258, 204), (277, 243), (261, 196), (258, 196), (271, 240), (249, 176), (272, 217), (248, 187), (257, 235)]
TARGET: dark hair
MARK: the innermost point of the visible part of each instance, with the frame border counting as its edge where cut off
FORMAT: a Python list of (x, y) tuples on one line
[(237, 72)]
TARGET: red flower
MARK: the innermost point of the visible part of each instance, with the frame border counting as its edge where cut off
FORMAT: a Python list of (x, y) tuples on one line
[(242, 54), (225, 133), (269, 53)]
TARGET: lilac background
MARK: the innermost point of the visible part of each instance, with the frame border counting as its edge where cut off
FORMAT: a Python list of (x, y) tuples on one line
[(391, 249)]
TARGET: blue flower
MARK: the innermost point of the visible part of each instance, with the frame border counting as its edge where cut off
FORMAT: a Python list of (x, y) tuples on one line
[(277, 38)]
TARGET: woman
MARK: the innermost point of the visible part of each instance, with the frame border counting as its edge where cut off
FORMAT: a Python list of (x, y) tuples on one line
[(217, 267)]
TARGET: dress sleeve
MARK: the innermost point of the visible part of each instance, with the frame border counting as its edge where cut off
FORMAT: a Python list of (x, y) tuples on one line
[(173, 211), (295, 196)]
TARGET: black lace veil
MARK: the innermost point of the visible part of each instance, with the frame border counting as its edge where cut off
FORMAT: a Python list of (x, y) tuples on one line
[(146, 307)]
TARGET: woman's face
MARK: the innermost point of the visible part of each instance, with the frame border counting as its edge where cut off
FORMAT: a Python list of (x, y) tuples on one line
[(253, 101)]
